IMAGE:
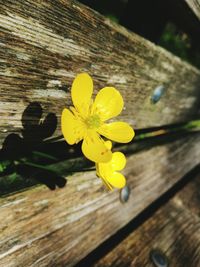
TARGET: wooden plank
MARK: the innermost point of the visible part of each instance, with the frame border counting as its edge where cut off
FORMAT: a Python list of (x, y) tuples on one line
[(174, 229), (58, 228), (188, 197), (44, 44)]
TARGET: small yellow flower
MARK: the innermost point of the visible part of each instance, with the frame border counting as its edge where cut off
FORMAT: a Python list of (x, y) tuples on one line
[(108, 171), (86, 120)]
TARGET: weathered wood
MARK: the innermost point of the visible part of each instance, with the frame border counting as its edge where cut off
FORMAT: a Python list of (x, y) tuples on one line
[(58, 228), (174, 229), (188, 197), (44, 44)]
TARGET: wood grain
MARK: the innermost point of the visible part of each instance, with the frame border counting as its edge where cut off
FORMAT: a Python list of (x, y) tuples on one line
[(44, 44), (174, 229), (58, 228)]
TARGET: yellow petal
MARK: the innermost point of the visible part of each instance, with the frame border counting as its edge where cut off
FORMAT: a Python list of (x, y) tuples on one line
[(72, 128), (108, 103), (97, 169), (117, 180), (94, 148), (107, 185), (118, 161), (108, 144), (82, 89), (117, 131), (104, 170)]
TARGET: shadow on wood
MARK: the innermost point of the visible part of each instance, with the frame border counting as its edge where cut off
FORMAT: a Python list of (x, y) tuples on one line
[(15, 147)]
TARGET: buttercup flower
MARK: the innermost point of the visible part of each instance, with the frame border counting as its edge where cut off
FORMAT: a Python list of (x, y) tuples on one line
[(108, 171), (86, 120)]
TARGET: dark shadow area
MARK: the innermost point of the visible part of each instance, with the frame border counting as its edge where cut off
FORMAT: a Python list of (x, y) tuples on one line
[(116, 239), (146, 17), (170, 24), (50, 178), (25, 158), (145, 142), (32, 158), (35, 131), (112, 8), (181, 126)]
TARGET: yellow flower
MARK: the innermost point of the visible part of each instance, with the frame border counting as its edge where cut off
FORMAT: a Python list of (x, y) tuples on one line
[(86, 120), (108, 171)]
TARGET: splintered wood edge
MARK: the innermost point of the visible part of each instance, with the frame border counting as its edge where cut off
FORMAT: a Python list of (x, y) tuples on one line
[(44, 44), (174, 230), (56, 228)]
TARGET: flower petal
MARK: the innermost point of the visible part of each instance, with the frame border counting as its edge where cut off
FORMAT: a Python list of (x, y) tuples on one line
[(104, 170), (94, 148), (81, 92), (118, 161), (72, 128), (107, 185), (117, 180), (108, 103), (108, 144), (120, 132)]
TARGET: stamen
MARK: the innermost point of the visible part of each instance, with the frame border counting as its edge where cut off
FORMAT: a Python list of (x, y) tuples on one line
[(93, 121)]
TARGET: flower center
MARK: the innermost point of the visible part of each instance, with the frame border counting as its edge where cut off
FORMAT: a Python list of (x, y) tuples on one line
[(93, 121)]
